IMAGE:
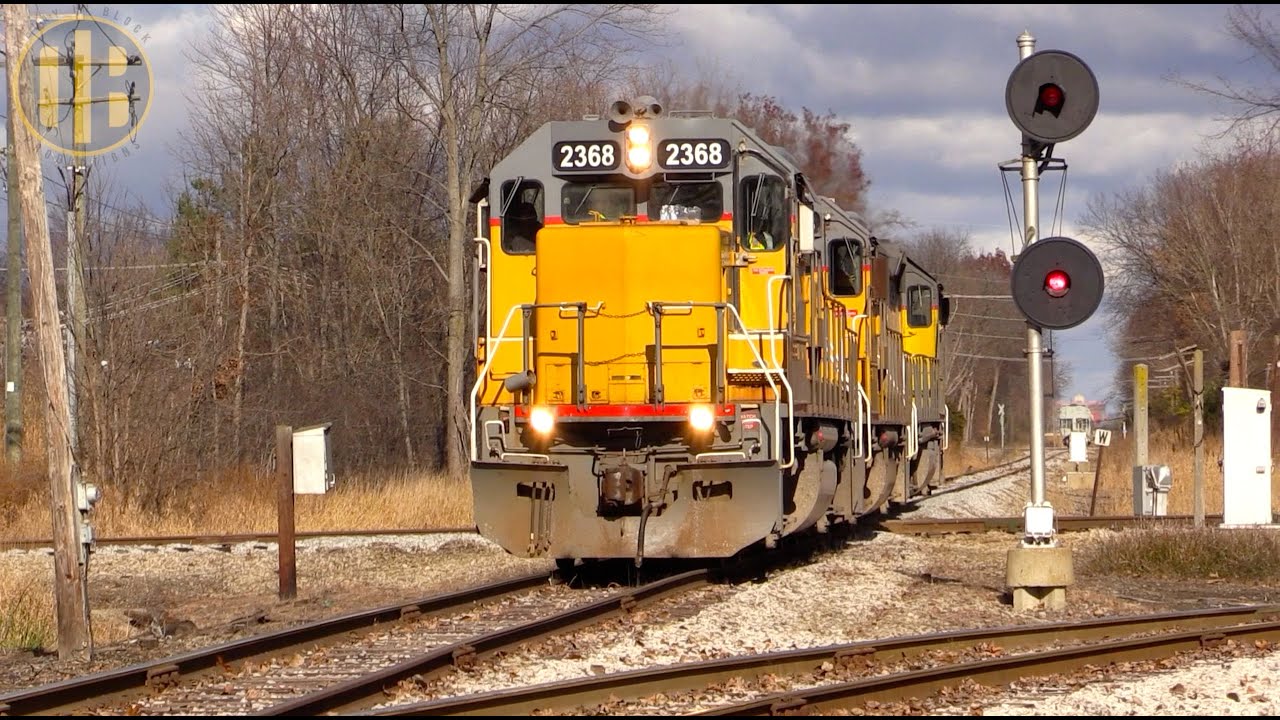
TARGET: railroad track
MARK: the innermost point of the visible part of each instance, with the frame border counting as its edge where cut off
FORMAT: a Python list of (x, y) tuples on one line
[(849, 675), (231, 539), (950, 526), (968, 480), (349, 662)]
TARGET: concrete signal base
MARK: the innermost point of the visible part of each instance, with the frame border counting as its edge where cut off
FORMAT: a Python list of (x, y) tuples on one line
[(1038, 576)]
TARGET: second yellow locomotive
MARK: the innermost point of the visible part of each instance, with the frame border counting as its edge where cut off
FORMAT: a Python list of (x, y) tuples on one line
[(684, 350)]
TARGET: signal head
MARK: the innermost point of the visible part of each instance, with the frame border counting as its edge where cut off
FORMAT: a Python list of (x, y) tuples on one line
[(1051, 96), (1057, 283)]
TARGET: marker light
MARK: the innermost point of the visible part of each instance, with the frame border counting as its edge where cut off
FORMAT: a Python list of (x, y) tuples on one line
[(1056, 283), (701, 418), (639, 150), (542, 420)]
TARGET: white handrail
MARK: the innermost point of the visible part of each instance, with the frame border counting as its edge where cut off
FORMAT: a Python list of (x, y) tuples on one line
[(768, 306), (864, 399), (913, 433), (484, 371), (777, 406), (946, 426)]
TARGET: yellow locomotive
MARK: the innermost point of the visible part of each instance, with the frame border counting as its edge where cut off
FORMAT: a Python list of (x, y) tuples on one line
[(684, 350)]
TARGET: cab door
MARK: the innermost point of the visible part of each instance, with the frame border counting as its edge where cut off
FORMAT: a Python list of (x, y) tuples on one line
[(762, 228)]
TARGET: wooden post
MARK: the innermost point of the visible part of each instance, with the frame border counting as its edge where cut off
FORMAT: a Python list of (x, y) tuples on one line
[(1273, 384), (1238, 373), (1093, 497), (71, 594), (1140, 414), (284, 523), (1197, 401)]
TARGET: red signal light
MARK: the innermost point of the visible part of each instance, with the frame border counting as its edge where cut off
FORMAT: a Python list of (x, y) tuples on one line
[(1057, 283), (1050, 96)]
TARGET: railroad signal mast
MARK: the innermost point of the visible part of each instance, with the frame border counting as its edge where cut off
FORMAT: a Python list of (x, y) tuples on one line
[(1056, 283)]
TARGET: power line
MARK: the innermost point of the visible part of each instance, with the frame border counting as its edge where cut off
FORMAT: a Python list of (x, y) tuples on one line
[(989, 317), (1046, 356), (994, 337), (975, 278)]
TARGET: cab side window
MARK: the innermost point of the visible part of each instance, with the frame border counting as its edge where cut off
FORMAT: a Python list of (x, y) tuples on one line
[(764, 218), (844, 274), (919, 305), (522, 215)]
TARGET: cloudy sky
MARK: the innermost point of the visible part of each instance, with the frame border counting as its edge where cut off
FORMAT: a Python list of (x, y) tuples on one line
[(921, 85)]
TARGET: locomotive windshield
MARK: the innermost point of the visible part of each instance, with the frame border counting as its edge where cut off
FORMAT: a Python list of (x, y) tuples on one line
[(595, 202), (702, 201)]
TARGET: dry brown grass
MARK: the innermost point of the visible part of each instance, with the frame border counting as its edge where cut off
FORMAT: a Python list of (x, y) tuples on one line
[(26, 612), (245, 501), (1238, 553), (230, 503), (1165, 447), (1249, 554)]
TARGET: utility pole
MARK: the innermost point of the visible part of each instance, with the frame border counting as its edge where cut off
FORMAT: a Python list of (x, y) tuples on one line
[(13, 298), (81, 68), (70, 559)]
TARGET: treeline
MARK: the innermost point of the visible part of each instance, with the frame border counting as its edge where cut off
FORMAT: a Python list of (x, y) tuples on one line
[(317, 266), (984, 344), (317, 263), (1194, 252)]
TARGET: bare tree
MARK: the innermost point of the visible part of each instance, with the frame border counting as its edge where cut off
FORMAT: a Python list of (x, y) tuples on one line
[(1252, 26), (468, 67), (1197, 252)]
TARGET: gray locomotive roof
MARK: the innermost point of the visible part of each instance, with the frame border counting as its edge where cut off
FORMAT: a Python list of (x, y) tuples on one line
[(533, 157)]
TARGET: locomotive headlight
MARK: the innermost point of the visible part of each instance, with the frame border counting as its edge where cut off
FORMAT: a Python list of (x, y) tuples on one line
[(542, 420), (639, 149), (701, 418)]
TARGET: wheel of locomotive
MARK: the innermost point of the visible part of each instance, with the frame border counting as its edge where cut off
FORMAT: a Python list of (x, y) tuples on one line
[(882, 476), (925, 470)]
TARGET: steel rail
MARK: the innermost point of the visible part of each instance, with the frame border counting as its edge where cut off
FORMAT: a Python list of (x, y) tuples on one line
[(996, 672), (364, 691), (635, 684), (1065, 523), (62, 696)]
